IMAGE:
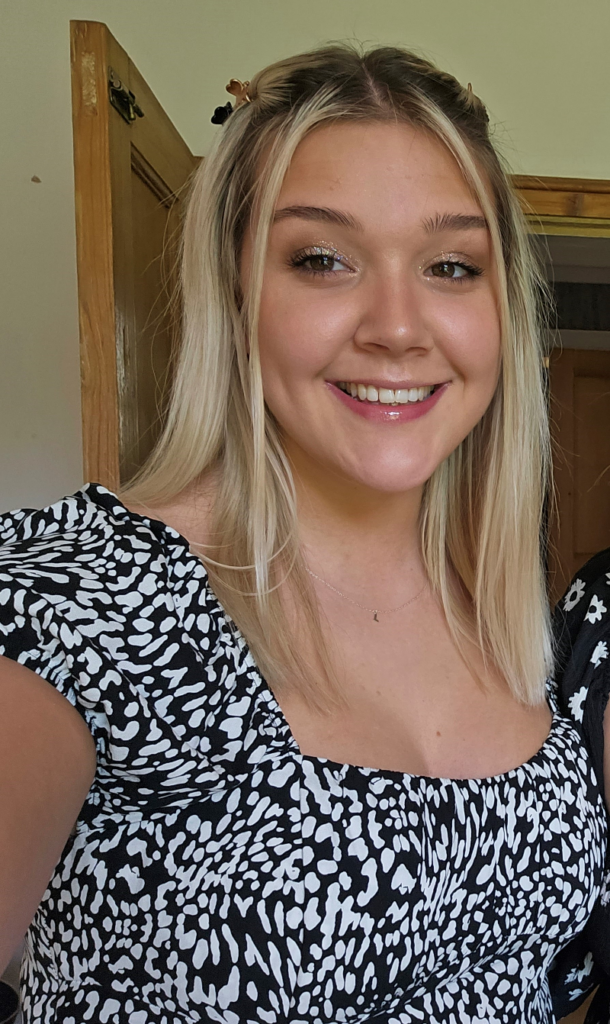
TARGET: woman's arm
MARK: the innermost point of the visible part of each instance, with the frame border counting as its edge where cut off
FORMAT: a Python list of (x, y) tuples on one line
[(47, 764)]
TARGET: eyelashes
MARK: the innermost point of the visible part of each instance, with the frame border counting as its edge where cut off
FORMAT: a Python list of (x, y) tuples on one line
[(446, 269), (319, 261), (322, 262)]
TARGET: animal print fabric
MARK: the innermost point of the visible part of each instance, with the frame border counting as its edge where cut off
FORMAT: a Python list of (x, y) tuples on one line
[(216, 873), (582, 634)]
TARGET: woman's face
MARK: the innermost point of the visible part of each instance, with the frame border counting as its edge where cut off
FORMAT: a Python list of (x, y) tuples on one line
[(379, 332)]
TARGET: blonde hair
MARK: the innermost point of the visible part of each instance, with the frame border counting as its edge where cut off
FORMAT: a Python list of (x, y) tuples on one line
[(481, 510)]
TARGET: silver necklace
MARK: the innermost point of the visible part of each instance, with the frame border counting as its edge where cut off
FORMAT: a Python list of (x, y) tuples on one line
[(375, 611)]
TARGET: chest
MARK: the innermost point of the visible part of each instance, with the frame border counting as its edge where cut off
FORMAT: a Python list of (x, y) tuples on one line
[(412, 702), (365, 891)]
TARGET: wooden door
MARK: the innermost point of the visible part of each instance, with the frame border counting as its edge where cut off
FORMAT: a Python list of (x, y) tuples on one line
[(580, 409), (131, 168)]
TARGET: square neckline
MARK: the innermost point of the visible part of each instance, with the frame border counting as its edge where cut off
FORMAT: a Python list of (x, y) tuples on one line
[(342, 769)]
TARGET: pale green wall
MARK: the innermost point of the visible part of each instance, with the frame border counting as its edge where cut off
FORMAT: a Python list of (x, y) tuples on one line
[(540, 65)]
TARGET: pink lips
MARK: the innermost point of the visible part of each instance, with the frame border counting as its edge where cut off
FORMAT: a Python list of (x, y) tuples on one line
[(378, 413)]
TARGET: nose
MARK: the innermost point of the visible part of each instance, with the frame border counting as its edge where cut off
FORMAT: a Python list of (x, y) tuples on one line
[(392, 316)]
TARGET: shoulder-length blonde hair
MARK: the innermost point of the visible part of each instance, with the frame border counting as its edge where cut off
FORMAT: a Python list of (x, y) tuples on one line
[(481, 510)]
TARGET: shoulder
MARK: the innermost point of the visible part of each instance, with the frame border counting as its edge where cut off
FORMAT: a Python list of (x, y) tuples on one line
[(117, 614), (582, 617), (581, 626), (90, 517), (87, 537), (593, 577), (86, 571)]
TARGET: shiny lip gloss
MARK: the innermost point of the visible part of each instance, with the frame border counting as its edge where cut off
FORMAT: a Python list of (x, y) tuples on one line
[(378, 413)]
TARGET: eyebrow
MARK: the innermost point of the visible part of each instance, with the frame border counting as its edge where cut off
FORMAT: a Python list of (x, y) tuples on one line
[(432, 225), (454, 222), (323, 213)]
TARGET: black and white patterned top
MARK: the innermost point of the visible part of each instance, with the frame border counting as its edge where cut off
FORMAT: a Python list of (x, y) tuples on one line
[(582, 633), (219, 875)]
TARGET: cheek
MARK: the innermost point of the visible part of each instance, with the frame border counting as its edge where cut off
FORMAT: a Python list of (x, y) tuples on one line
[(472, 339), (299, 336)]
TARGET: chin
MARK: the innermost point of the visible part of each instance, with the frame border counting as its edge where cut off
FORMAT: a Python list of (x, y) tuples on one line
[(392, 480)]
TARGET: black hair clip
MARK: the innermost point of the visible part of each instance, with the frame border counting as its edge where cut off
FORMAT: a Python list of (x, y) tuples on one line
[(221, 114), (240, 91)]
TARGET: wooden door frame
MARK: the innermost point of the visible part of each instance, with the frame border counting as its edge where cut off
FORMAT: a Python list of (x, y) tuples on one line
[(107, 149), (565, 206), (576, 207)]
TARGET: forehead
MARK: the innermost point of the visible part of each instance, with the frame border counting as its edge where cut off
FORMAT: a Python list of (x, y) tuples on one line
[(380, 171)]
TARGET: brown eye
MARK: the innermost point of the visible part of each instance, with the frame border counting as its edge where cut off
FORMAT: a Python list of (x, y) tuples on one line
[(321, 263), (316, 261), (450, 270)]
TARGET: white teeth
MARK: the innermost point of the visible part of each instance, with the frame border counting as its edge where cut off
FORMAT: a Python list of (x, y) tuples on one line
[(385, 396)]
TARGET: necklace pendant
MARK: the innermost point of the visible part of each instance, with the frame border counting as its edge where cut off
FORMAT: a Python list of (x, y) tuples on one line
[(375, 619)]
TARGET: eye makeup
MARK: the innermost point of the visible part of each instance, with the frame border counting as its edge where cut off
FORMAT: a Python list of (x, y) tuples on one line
[(318, 260), (323, 260), (447, 263)]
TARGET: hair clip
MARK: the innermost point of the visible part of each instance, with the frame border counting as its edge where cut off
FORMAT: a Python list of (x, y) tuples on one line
[(221, 114), (240, 91)]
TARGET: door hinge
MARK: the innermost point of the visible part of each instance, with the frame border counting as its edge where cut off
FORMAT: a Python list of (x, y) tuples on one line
[(122, 99)]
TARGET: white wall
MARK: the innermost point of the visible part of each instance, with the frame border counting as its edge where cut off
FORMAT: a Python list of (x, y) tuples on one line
[(541, 66)]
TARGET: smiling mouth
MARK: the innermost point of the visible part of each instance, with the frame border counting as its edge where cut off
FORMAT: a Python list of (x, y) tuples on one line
[(386, 396)]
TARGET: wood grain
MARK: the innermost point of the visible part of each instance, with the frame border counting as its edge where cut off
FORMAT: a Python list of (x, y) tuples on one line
[(580, 412), (563, 197), (129, 181), (95, 257)]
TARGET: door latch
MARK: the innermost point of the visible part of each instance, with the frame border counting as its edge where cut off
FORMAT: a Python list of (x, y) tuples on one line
[(122, 99)]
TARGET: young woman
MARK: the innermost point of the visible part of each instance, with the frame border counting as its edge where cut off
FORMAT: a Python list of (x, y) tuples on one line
[(308, 647)]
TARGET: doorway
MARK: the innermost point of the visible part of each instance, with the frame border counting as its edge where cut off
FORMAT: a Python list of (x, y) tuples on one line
[(578, 271)]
